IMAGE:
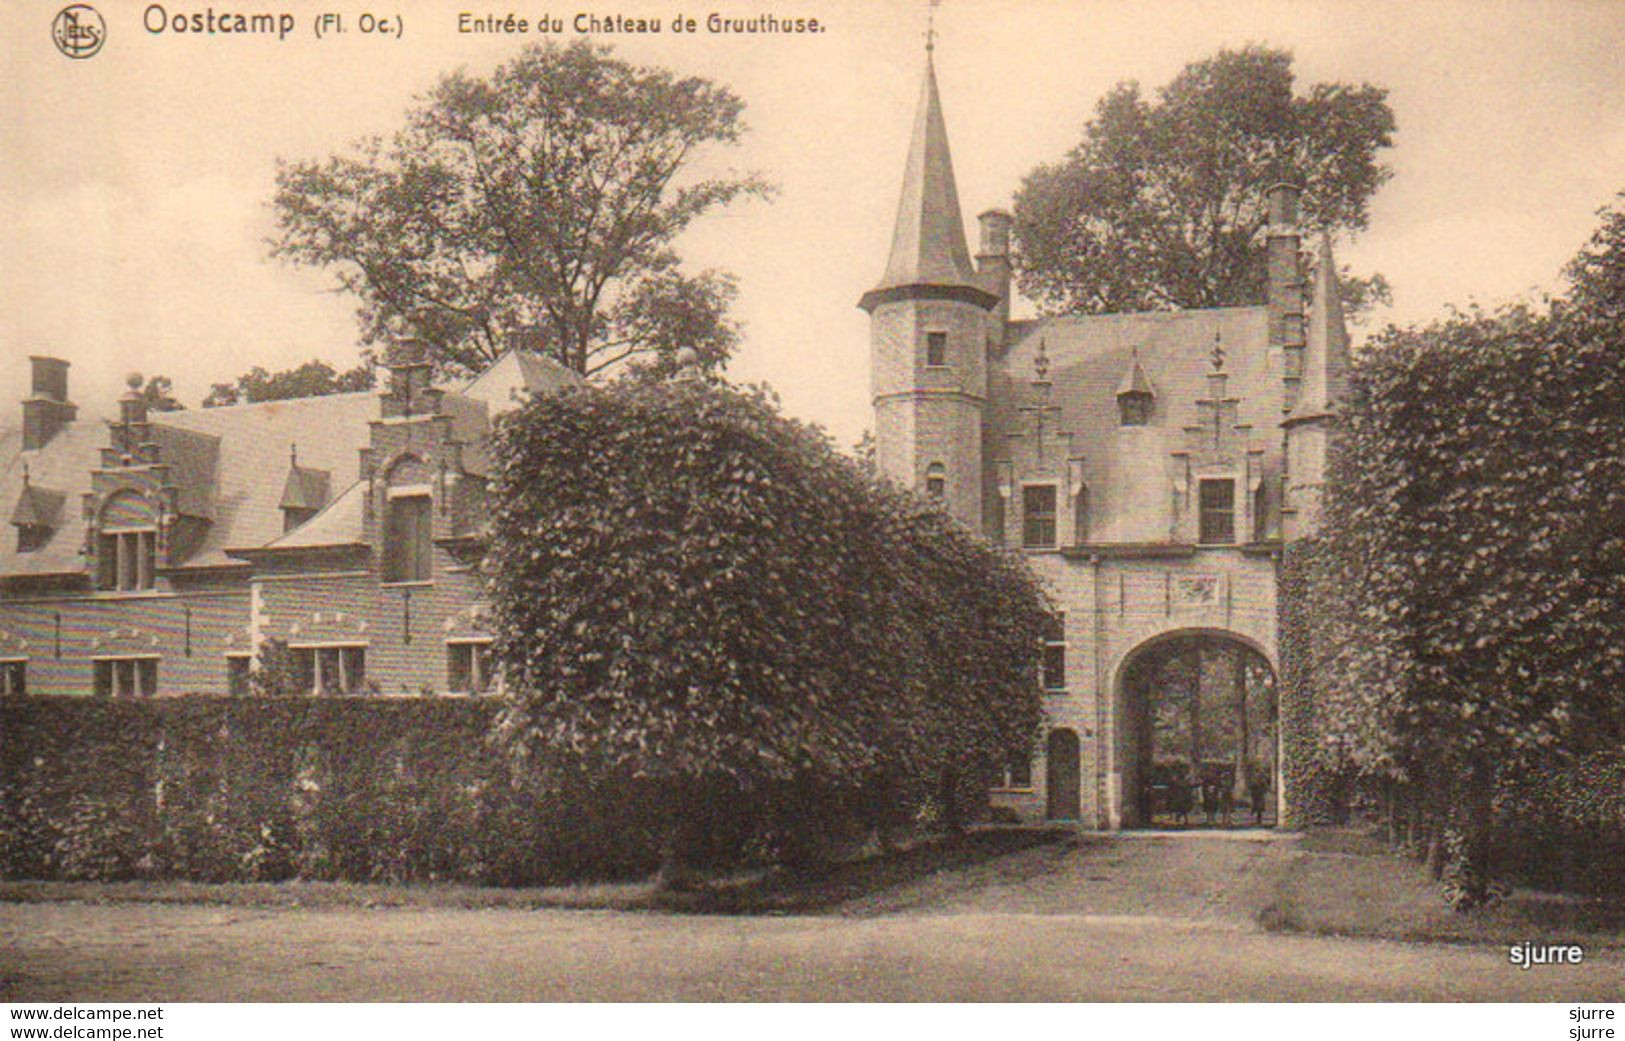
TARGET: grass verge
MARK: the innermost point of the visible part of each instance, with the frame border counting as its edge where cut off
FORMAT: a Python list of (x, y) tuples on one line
[(1343, 883), (771, 891)]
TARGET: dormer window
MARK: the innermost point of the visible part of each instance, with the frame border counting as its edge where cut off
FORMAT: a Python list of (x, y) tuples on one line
[(35, 515), (304, 493), (31, 537), (1135, 396), (1134, 410), (936, 349)]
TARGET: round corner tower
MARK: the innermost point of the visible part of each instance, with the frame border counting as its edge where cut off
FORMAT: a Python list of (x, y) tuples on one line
[(931, 320)]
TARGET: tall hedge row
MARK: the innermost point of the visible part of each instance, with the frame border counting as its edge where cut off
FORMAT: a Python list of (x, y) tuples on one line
[(1468, 588), (691, 588), (261, 789)]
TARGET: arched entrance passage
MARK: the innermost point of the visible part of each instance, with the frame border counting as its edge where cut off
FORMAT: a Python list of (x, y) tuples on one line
[(1196, 733), (1062, 776)]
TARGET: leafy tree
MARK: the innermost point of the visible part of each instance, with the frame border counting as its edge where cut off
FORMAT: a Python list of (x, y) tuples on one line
[(1472, 572), (160, 394), (1161, 204), (537, 206), (312, 379), (1597, 275), (706, 598)]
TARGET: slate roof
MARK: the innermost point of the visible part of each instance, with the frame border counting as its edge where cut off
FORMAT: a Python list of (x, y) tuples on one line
[(232, 467), (928, 241), (1089, 354), (339, 523)]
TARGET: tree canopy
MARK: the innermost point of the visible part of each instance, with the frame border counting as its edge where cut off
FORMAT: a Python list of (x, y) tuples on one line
[(534, 207), (690, 588), (309, 380), (1162, 202)]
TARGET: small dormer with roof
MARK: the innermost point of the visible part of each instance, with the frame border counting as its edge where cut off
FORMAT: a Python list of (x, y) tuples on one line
[(36, 515), (304, 492)]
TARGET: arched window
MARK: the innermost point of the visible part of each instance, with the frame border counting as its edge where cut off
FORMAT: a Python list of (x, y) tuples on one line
[(936, 482)]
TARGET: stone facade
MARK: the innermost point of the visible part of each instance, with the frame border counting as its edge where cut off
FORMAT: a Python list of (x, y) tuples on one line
[(1149, 465)]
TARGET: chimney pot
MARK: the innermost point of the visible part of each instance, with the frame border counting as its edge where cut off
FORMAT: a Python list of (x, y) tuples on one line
[(995, 230), (47, 409)]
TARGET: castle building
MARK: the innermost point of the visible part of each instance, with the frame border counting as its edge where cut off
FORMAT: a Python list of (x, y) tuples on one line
[(155, 552), (1150, 466)]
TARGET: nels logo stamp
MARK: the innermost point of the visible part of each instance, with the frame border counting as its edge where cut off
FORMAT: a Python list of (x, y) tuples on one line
[(78, 31)]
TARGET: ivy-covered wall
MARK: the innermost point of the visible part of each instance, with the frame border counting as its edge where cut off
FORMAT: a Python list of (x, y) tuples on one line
[(1310, 778)]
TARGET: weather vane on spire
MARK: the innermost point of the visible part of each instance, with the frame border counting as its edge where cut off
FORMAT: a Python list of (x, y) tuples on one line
[(931, 25)]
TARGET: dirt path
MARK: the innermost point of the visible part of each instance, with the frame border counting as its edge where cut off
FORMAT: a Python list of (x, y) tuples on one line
[(1213, 876)]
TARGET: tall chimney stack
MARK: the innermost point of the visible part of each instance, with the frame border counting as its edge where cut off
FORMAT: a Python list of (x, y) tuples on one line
[(1284, 291), (47, 409), (993, 263)]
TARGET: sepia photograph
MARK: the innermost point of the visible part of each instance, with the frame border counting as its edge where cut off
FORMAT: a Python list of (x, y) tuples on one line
[(965, 502)]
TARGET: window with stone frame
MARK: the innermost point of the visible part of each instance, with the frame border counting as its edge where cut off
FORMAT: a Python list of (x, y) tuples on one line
[(936, 482), (1052, 658), (408, 530), (126, 561), (1216, 511), (1038, 516), (14, 676), (1261, 520), (126, 544), (936, 349), (331, 668), (468, 666), (126, 677)]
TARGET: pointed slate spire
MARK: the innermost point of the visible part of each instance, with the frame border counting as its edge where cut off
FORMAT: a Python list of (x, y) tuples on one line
[(928, 241), (1326, 351)]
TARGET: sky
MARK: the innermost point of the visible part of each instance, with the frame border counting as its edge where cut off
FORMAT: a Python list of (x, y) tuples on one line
[(135, 184)]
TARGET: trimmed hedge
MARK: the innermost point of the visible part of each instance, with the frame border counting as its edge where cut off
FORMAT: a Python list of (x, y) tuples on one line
[(355, 789)]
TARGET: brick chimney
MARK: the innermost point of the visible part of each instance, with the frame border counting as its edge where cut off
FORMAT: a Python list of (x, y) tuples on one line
[(1285, 288), (407, 391), (993, 263), (46, 410)]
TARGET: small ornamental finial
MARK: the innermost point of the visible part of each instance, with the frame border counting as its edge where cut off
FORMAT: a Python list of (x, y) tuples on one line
[(25, 475), (931, 26), (1218, 351), (293, 454), (133, 381), (1041, 361)]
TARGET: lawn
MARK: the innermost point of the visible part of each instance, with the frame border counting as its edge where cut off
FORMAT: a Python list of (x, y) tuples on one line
[(1344, 883)]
